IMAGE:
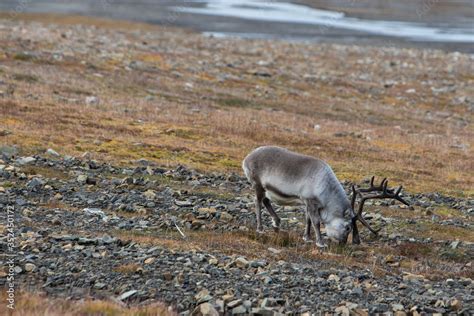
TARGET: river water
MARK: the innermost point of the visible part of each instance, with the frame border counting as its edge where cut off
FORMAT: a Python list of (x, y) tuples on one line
[(447, 27), (282, 12)]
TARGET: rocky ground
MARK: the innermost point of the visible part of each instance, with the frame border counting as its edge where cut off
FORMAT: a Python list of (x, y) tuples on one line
[(90, 229)]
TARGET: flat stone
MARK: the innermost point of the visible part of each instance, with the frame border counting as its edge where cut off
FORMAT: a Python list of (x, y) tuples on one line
[(149, 260), (413, 277), (127, 294), (183, 203), (239, 310), (397, 307), (360, 312), (25, 160), (270, 302), (262, 311), (203, 296), (234, 303), (82, 178), (227, 298), (149, 194), (334, 277), (455, 244), (342, 310), (52, 152), (226, 217), (35, 183), (209, 210), (274, 251)]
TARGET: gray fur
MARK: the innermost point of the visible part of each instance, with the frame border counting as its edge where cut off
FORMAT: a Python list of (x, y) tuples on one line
[(286, 178)]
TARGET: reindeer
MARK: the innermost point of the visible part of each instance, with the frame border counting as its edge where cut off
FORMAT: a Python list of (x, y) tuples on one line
[(288, 178)]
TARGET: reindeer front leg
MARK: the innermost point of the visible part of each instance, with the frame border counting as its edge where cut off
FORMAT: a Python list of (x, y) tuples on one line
[(307, 231), (312, 209)]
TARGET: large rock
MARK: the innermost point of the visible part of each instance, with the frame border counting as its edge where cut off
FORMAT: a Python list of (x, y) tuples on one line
[(413, 277), (30, 267), (205, 309), (149, 194), (342, 310), (455, 304), (35, 183), (203, 296), (239, 310), (82, 178), (334, 277), (241, 262), (226, 217)]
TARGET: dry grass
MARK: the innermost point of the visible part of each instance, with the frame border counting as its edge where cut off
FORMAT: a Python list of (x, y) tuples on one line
[(432, 261), (50, 173), (193, 117), (32, 304), (129, 268)]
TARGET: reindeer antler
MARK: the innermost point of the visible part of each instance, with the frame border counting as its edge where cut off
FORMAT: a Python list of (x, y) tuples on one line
[(386, 193)]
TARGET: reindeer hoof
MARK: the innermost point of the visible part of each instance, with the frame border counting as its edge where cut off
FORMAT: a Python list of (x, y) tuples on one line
[(321, 244), (276, 224), (307, 239), (259, 231)]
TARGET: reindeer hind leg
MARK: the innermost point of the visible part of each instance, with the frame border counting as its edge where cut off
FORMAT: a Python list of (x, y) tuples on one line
[(275, 217), (307, 232), (259, 196)]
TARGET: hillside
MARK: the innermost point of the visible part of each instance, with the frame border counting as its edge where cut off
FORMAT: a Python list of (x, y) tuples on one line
[(148, 126)]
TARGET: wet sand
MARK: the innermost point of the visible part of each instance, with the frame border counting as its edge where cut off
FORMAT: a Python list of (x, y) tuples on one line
[(454, 12)]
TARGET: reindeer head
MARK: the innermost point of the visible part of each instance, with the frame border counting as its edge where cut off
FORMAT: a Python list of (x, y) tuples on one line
[(338, 229), (384, 193)]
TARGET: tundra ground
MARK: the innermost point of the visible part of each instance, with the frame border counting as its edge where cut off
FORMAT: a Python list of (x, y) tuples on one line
[(122, 96)]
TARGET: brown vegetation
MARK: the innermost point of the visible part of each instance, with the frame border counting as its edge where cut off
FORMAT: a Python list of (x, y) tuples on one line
[(31, 304), (175, 97)]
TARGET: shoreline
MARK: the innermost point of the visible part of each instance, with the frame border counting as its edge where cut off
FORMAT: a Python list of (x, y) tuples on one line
[(424, 11), (165, 16)]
